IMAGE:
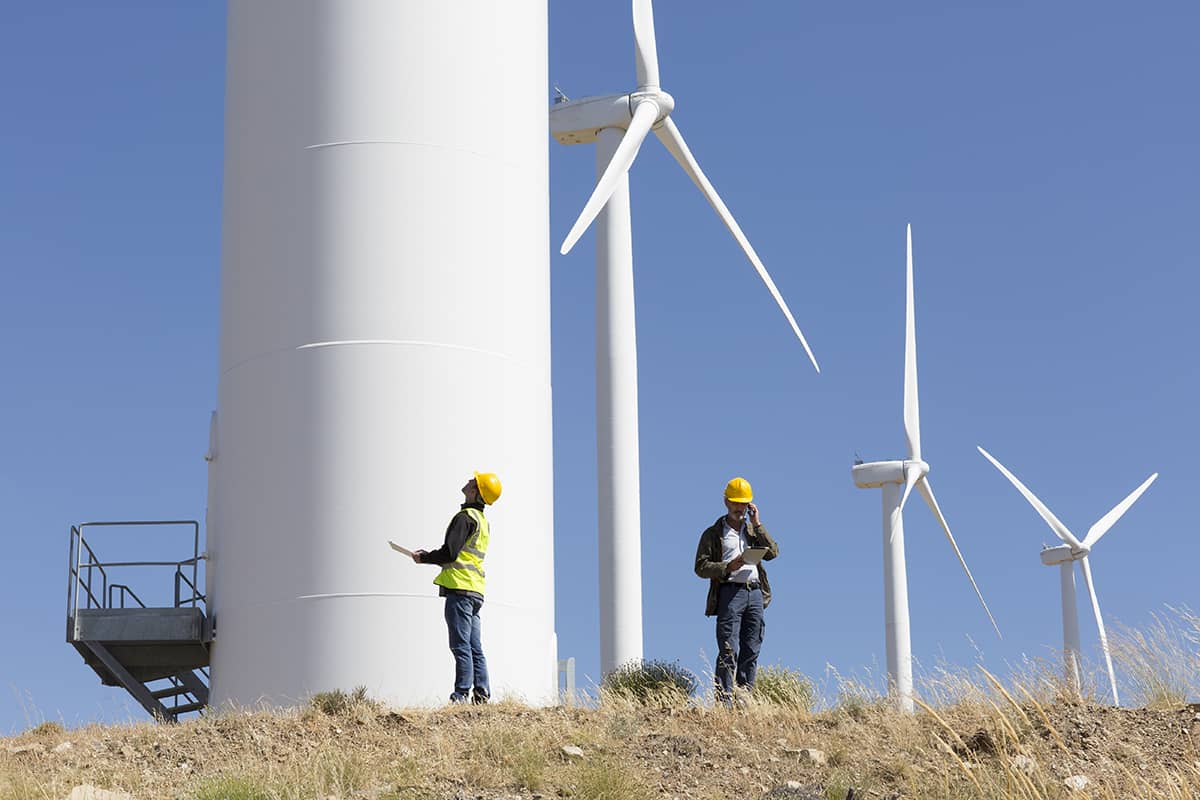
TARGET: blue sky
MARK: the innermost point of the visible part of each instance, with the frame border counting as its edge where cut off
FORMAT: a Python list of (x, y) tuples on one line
[(1044, 153)]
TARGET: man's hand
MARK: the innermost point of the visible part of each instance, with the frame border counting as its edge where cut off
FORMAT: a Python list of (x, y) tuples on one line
[(416, 556), (735, 565), (752, 511)]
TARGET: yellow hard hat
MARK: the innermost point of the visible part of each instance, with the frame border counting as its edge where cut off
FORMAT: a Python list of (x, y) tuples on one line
[(489, 486), (738, 491)]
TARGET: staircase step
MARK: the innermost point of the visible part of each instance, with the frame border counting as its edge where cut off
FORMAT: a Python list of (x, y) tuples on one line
[(185, 708), (170, 691)]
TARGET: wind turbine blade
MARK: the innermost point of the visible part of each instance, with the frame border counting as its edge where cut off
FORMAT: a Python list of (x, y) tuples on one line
[(1108, 520), (672, 139), (911, 476), (644, 47), (912, 411), (622, 160), (1059, 529), (927, 492), (1087, 578)]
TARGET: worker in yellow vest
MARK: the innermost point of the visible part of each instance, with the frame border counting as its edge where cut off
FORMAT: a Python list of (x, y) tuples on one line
[(462, 581)]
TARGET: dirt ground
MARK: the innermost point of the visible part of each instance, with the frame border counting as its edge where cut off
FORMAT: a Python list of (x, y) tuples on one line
[(987, 749)]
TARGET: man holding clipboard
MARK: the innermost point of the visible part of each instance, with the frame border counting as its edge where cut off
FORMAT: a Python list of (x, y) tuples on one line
[(462, 582), (729, 555)]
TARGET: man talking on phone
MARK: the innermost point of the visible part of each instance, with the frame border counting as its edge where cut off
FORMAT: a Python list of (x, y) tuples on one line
[(729, 555)]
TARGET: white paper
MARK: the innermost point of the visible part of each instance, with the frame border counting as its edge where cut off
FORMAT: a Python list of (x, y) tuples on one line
[(753, 555), (400, 549)]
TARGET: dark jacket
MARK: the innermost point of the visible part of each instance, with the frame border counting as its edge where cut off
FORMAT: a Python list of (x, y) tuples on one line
[(709, 564)]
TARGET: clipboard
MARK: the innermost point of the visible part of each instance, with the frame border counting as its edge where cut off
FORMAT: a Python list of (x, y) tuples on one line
[(753, 555), (400, 549)]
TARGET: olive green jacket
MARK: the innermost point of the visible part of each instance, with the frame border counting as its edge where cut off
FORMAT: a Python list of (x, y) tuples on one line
[(709, 564)]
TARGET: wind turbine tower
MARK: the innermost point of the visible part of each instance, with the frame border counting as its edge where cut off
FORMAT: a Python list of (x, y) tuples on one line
[(890, 476), (1072, 551), (618, 124), (385, 331)]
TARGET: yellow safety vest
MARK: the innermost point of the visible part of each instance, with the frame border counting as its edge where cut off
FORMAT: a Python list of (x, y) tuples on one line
[(466, 573)]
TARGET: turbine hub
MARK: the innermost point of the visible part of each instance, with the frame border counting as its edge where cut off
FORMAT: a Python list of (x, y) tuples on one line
[(664, 101), (918, 465)]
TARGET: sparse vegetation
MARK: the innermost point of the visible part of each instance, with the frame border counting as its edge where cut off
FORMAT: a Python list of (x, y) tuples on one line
[(779, 686), (339, 702), (47, 729), (650, 683), (975, 737), (1160, 664), (231, 787), (607, 781)]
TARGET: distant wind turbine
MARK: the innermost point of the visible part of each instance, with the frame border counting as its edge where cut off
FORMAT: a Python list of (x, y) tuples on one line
[(1064, 557), (618, 124), (890, 476)]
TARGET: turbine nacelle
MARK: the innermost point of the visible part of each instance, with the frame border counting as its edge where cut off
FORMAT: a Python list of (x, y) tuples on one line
[(580, 121), (1054, 556), (875, 474)]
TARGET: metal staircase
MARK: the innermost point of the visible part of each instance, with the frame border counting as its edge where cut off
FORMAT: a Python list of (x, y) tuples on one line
[(158, 653)]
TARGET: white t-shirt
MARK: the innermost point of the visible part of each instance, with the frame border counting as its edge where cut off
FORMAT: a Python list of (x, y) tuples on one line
[(732, 544)]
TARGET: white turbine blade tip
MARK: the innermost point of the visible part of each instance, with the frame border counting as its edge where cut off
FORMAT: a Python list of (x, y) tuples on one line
[(1056, 525), (926, 491), (1091, 587), (1106, 522), (672, 139)]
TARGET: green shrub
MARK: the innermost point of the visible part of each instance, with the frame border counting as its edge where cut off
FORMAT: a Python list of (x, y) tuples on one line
[(339, 702), (787, 688), (341, 774), (231, 787), (606, 781), (650, 682)]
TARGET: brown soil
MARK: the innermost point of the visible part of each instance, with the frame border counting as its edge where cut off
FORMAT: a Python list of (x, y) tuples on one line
[(508, 751)]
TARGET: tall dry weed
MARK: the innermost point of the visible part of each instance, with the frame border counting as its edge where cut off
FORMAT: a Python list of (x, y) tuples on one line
[(1159, 664)]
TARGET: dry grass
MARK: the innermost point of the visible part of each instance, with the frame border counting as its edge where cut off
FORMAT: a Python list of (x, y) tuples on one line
[(1009, 748), (1160, 664), (977, 737)]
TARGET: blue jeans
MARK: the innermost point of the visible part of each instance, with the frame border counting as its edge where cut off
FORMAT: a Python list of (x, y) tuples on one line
[(739, 637), (470, 667)]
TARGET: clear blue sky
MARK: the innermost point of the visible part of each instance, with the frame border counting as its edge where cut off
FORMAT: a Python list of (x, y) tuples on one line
[(1044, 153)]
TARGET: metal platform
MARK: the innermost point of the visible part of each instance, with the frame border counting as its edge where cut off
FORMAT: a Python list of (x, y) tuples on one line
[(159, 654)]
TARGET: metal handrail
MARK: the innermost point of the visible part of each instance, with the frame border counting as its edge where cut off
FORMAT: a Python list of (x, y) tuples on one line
[(75, 578), (80, 573), (196, 597), (125, 590)]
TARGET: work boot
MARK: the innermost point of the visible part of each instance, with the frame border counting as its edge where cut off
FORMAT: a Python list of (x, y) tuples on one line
[(479, 697)]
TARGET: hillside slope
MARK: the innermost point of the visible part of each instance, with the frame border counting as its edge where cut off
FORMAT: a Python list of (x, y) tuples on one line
[(983, 749)]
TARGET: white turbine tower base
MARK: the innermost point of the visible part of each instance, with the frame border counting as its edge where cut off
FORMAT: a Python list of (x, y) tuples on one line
[(385, 330), (618, 124), (1073, 549), (890, 476)]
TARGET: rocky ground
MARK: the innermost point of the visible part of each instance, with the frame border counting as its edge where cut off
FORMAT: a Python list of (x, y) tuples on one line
[(993, 748)]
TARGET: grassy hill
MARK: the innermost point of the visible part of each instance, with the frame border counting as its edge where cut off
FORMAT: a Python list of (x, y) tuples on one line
[(981, 749), (648, 738)]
